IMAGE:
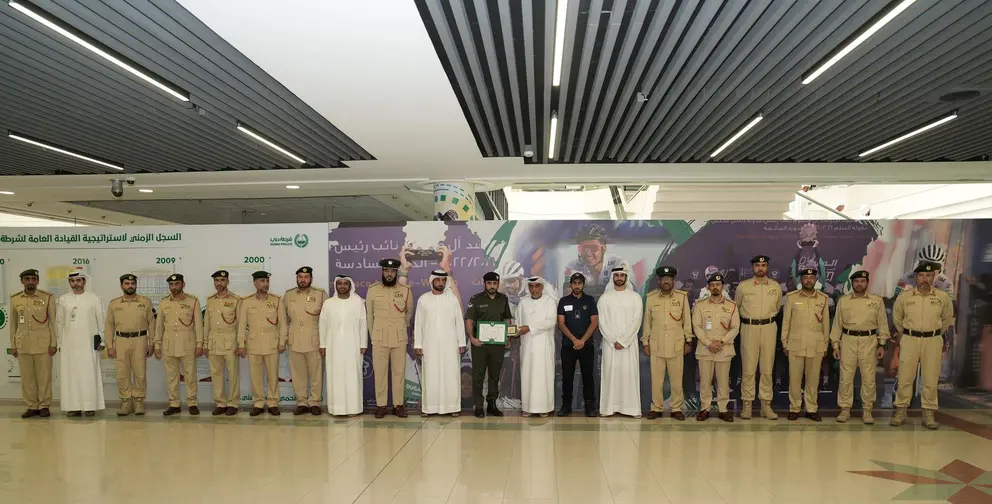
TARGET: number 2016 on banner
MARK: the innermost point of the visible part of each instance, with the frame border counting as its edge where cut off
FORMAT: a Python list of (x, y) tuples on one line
[(254, 260), (80, 261)]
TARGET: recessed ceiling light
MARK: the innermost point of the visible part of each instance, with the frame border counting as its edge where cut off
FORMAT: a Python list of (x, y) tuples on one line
[(554, 133), (244, 129), (877, 25), (909, 135), (7, 193), (737, 135), (80, 38), (560, 19), (145, 190), (61, 150), (292, 187)]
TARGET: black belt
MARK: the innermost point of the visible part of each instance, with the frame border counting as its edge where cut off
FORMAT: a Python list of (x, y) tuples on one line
[(849, 332), (131, 334), (922, 334), (754, 321)]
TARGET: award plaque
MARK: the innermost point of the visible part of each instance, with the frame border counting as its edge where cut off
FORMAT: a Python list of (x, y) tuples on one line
[(492, 333)]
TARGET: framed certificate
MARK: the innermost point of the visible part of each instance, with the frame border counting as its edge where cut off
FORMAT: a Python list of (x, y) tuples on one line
[(492, 333)]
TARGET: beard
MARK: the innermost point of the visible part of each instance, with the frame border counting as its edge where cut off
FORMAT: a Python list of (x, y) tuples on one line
[(130, 292), (491, 291), (387, 282), (302, 285)]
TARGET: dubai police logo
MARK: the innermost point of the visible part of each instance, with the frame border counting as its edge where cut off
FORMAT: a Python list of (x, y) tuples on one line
[(3, 317), (301, 240)]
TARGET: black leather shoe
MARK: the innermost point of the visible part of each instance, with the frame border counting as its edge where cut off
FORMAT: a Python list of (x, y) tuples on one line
[(563, 412), (44, 413), (274, 411), (255, 411), (793, 416), (494, 411), (814, 417), (315, 410), (703, 415), (171, 411), (300, 410), (220, 410), (231, 411), (73, 414), (678, 415), (380, 411), (480, 414), (30, 413), (590, 412), (726, 417), (89, 413), (400, 411)]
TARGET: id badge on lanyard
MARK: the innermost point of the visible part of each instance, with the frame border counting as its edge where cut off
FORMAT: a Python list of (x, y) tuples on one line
[(709, 323)]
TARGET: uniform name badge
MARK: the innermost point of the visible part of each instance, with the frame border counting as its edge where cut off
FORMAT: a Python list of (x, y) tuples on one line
[(709, 324), (493, 333)]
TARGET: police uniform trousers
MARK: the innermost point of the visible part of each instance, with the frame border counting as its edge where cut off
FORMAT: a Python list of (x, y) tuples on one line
[(707, 368), (800, 367), (389, 365), (673, 365), (232, 364), (131, 359), (925, 354), (172, 365), (307, 368), (757, 352), (486, 358), (586, 359), (268, 396), (36, 379), (857, 352)]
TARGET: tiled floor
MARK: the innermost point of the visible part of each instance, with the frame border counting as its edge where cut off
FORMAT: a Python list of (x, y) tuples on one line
[(310, 460)]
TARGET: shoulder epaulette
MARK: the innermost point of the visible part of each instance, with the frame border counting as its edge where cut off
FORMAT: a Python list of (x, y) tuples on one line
[(192, 296), (44, 292), (18, 293), (321, 289), (287, 292), (374, 284), (164, 299), (212, 296), (731, 301)]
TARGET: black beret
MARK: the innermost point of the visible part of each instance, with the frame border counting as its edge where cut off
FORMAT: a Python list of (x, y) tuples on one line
[(305, 269), (807, 271), (29, 272), (128, 276), (716, 277), (220, 274), (389, 263), (577, 277), (759, 259), (176, 277), (260, 274), (859, 274), (925, 267), (666, 271), (492, 276)]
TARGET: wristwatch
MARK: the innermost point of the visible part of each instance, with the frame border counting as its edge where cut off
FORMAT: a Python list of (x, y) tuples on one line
[(883, 343)]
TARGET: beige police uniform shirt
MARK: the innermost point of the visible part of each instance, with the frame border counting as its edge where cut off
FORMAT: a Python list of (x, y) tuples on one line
[(806, 324), (667, 323), (32, 322), (716, 321), (179, 326), (301, 310), (389, 310), (916, 311), (129, 316), (220, 324), (860, 313), (758, 299), (261, 326)]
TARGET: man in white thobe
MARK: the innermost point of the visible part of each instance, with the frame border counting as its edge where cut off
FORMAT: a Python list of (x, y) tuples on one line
[(343, 340), (620, 312), (79, 322), (537, 316), (439, 341)]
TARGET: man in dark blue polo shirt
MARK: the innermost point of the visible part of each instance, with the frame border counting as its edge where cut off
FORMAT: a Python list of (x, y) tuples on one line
[(577, 320)]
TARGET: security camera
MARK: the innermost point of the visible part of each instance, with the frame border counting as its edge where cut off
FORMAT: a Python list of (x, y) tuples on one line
[(130, 180), (117, 188)]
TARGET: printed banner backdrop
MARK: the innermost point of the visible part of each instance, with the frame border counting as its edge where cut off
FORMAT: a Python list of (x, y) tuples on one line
[(554, 249), (517, 249), (154, 253)]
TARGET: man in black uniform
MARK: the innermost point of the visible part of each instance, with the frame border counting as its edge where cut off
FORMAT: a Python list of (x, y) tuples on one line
[(486, 306), (577, 321)]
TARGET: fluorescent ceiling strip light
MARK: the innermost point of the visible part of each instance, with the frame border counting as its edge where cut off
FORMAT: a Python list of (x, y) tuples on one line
[(889, 16), (146, 190), (270, 143), (100, 52), (559, 41), (909, 135), (7, 193), (554, 132), (737, 135), (292, 187), (51, 147)]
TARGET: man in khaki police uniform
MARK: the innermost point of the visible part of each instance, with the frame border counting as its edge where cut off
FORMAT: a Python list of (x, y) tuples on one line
[(860, 318), (220, 335), (33, 343), (301, 311), (129, 320), (179, 338), (389, 308), (759, 300), (921, 315), (667, 337), (717, 323), (805, 333), (262, 337)]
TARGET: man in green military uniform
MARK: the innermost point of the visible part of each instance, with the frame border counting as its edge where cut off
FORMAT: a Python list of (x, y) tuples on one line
[(860, 317), (489, 305), (388, 311)]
